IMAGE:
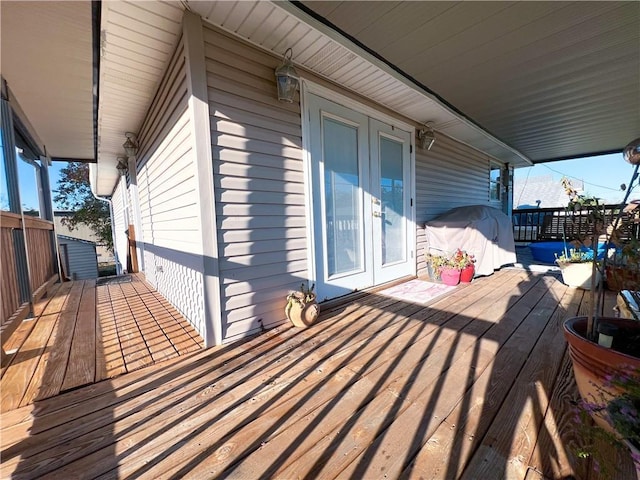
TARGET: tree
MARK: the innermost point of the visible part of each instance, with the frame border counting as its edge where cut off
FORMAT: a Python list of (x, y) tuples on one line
[(74, 194)]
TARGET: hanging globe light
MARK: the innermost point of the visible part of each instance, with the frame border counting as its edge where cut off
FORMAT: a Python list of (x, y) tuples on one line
[(631, 152)]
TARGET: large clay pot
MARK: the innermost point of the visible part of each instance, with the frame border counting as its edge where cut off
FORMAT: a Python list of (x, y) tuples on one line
[(466, 274), (301, 313), (592, 363), (450, 276)]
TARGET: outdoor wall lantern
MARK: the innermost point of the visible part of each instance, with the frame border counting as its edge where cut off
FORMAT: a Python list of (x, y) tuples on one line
[(122, 166), (131, 145), (287, 78), (427, 137), (632, 152)]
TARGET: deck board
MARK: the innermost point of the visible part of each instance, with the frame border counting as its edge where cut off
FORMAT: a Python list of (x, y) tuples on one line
[(81, 367), (74, 339), (477, 384), (109, 357), (52, 365)]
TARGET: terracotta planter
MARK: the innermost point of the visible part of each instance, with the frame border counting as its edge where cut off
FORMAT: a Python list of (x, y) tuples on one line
[(578, 274), (592, 362), (301, 313), (622, 278), (450, 276), (466, 274)]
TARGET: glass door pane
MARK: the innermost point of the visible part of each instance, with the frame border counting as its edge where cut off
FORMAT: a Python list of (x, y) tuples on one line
[(392, 193), (342, 197)]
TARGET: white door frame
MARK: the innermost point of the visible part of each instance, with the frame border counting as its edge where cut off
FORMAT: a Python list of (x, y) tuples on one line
[(308, 87)]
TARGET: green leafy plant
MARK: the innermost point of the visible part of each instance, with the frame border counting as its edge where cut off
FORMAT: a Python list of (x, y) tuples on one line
[(74, 194), (620, 411), (303, 296), (574, 256), (461, 259)]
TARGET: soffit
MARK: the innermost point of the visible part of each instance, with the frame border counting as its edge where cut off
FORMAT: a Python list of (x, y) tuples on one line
[(136, 42), (551, 79), (47, 61), (276, 26)]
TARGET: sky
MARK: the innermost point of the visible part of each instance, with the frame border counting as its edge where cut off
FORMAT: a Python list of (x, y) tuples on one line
[(28, 185), (602, 175)]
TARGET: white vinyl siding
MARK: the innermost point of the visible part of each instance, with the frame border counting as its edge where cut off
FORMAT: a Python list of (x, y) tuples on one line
[(447, 176), (259, 185), (120, 225), (167, 189)]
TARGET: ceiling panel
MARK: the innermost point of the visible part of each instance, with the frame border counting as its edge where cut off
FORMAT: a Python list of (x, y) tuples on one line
[(550, 79), (47, 61)]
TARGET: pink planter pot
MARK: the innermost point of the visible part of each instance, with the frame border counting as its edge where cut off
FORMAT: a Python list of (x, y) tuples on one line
[(466, 274), (450, 276)]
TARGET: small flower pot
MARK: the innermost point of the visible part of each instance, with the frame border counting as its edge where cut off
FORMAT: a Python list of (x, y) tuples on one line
[(300, 313), (450, 276), (467, 273)]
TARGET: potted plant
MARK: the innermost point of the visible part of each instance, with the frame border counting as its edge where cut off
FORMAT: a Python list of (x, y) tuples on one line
[(623, 271), (450, 272), (604, 348), (302, 308), (577, 269), (465, 262), (623, 416), (435, 262)]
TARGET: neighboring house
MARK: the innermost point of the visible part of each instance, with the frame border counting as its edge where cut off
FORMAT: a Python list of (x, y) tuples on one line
[(82, 231), (78, 257), (541, 192)]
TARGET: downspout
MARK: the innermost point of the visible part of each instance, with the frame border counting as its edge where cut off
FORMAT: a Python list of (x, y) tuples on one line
[(113, 228)]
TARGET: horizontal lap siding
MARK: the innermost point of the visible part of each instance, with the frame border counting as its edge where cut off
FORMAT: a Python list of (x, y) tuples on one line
[(449, 175), (259, 184), (120, 224), (167, 187)]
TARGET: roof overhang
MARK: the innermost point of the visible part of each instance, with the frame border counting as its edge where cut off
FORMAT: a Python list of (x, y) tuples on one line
[(48, 64), (568, 87), (130, 70)]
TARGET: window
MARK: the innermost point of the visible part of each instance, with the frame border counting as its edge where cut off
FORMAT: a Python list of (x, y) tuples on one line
[(495, 184)]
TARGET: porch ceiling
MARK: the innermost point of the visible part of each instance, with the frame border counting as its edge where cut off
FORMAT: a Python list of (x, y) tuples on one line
[(519, 81), (47, 61), (550, 79)]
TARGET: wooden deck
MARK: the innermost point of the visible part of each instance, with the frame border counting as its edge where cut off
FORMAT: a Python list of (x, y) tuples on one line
[(81, 334), (478, 385)]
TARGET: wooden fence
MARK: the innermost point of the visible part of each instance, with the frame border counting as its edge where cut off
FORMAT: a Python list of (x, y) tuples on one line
[(41, 270)]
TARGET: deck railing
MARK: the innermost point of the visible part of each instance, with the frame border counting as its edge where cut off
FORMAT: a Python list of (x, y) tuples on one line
[(32, 238), (554, 224)]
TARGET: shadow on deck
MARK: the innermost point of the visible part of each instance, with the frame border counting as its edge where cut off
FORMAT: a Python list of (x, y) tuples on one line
[(477, 385)]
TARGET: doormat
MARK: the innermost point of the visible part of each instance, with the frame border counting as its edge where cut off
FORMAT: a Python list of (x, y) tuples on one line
[(417, 291)]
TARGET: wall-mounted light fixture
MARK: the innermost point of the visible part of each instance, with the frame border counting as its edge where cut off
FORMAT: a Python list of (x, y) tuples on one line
[(631, 152), (287, 78), (427, 136), (131, 145), (122, 166)]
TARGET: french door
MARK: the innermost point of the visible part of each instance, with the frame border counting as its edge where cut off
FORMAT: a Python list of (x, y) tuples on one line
[(362, 209)]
